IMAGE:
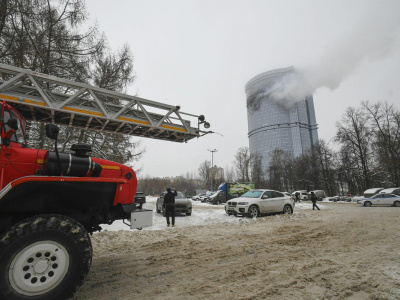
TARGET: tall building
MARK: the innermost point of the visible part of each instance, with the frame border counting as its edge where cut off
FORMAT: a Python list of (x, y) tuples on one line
[(278, 124)]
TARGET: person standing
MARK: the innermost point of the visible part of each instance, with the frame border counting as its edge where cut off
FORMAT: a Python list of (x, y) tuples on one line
[(314, 199), (297, 195), (169, 205)]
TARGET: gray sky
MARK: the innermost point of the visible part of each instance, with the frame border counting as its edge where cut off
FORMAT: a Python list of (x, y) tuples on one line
[(200, 55)]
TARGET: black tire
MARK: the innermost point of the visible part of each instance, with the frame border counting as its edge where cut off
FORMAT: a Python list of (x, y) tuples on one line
[(253, 212), (287, 209), (157, 210), (189, 214), (367, 204), (44, 257), (396, 203)]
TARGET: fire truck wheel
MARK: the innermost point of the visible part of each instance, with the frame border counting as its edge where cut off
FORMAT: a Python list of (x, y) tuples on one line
[(44, 257)]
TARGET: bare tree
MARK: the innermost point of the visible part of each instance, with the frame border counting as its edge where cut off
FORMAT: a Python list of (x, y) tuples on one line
[(257, 172), (385, 123), (355, 134), (229, 174), (48, 37), (242, 164), (205, 173), (325, 168), (275, 170)]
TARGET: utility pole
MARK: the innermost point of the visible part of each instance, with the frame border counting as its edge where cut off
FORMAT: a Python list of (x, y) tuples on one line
[(212, 165)]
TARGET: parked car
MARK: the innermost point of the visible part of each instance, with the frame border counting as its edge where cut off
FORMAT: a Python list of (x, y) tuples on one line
[(302, 195), (340, 198), (182, 204), (217, 198), (334, 198), (356, 199), (256, 202), (204, 198), (140, 198), (382, 199), (395, 191), (197, 197), (370, 192)]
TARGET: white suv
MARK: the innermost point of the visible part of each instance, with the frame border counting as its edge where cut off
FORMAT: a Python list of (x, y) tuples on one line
[(256, 202)]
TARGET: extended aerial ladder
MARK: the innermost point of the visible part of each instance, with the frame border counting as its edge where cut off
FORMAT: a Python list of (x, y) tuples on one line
[(49, 99)]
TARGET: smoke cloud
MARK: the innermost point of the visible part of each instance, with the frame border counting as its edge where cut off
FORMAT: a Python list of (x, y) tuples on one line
[(375, 37)]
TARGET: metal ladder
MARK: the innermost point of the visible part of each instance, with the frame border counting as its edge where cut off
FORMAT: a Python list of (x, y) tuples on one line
[(46, 98)]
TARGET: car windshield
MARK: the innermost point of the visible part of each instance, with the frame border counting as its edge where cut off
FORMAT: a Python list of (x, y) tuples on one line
[(252, 194), (180, 196)]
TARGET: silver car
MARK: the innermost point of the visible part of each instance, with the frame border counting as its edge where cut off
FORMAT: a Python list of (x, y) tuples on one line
[(256, 202), (182, 204)]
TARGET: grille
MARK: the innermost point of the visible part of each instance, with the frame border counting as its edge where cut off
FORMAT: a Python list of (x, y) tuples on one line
[(233, 204)]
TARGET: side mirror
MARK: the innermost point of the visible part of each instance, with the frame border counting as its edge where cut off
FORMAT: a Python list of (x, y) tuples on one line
[(52, 131), (13, 125)]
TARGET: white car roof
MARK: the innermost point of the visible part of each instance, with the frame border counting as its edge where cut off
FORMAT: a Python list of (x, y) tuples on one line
[(389, 191), (374, 190)]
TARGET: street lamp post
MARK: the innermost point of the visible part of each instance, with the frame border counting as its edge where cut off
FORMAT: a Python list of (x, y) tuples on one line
[(212, 165)]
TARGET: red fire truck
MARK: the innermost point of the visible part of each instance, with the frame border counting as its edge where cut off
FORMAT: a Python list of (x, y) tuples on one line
[(51, 201)]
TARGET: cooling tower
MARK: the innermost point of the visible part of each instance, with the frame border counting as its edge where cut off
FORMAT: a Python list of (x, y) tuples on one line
[(278, 124)]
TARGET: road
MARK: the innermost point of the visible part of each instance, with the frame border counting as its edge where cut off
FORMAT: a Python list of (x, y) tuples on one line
[(343, 251)]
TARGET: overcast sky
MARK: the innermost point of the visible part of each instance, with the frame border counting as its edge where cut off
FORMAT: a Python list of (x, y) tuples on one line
[(200, 55)]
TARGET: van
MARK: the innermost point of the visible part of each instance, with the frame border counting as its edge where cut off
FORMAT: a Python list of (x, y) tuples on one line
[(319, 193), (302, 195)]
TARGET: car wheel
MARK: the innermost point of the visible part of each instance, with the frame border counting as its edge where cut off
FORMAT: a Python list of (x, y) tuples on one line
[(44, 257), (157, 209), (367, 204), (189, 214), (253, 212), (397, 204), (287, 210)]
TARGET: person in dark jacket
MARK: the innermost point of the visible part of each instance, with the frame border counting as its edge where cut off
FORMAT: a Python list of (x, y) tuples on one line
[(169, 205), (297, 195), (314, 199)]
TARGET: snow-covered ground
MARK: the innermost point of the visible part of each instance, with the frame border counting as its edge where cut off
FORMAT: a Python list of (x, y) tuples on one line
[(202, 214)]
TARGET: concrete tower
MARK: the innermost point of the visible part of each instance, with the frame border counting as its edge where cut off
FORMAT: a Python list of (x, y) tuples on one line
[(278, 124)]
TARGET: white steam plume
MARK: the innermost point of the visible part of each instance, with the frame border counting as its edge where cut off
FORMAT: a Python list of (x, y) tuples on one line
[(375, 37)]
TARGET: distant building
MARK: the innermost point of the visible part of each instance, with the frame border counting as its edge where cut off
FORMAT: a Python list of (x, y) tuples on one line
[(217, 173), (275, 124)]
